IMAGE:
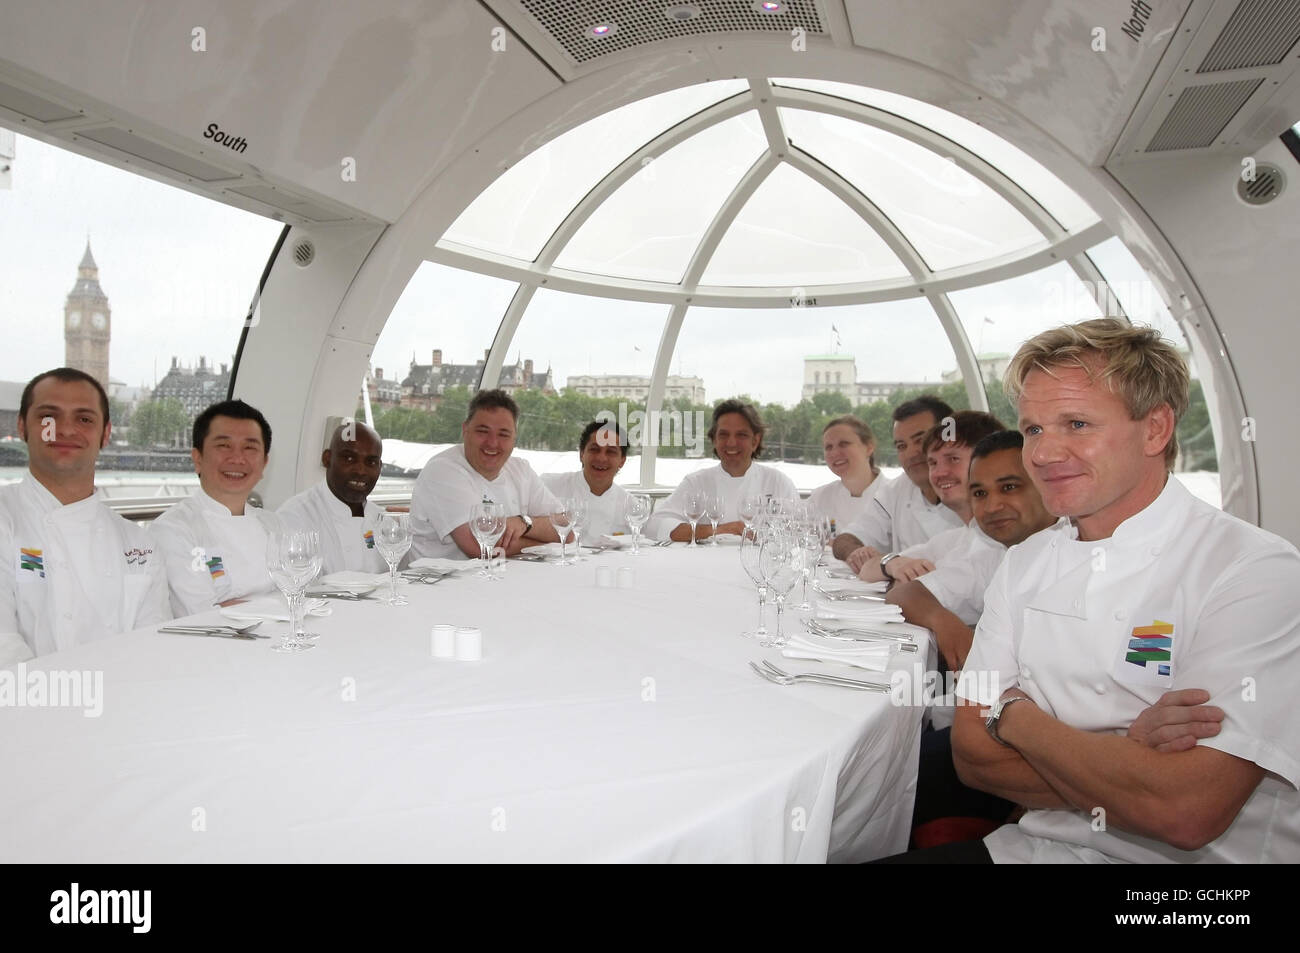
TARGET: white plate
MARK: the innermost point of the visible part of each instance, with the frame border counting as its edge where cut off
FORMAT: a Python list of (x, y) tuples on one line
[(271, 609)]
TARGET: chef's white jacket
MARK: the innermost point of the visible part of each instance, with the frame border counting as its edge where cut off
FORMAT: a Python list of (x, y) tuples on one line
[(347, 542), (211, 555), (835, 500), (1181, 595), (77, 572), (447, 489), (900, 516), (759, 480), (604, 513)]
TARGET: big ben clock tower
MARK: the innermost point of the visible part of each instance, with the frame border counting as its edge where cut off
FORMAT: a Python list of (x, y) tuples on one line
[(86, 323)]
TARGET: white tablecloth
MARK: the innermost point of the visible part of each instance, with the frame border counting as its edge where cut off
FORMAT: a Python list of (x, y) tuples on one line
[(601, 725)]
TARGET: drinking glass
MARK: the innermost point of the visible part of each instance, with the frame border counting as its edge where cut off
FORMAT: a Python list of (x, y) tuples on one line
[(714, 508), (292, 559), (695, 508), (636, 511), (487, 521), (810, 550), (579, 513), (751, 542), (779, 562), (393, 540), (750, 508), (561, 519)]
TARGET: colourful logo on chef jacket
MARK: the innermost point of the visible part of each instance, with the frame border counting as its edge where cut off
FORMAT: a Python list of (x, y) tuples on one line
[(33, 560), (215, 567), (1152, 647), (369, 536)]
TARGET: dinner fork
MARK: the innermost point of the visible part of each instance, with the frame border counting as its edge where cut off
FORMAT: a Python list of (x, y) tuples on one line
[(841, 595), (849, 634), (773, 674)]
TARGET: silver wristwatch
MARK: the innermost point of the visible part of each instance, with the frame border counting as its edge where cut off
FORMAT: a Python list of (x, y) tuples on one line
[(528, 523), (884, 561), (995, 714)]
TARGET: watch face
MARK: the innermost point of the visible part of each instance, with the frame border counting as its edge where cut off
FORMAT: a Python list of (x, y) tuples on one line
[(98, 320), (74, 319)]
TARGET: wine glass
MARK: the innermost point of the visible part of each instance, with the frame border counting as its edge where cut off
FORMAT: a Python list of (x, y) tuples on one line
[(694, 511), (393, 539), (579, 514), (487, 521), (292, 559), (810, 551), (636, 511), (750, 508), (561, 519), (779, 562), (751, 543), (714, 508)]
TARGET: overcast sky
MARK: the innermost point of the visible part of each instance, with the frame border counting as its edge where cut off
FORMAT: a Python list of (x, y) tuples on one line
[(179, 271)]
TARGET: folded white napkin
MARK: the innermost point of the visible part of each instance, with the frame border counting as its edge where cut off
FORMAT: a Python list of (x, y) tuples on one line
[(855, 610), (272, 609), (869, 655), (725, 539), (442, 565), (619, 542)]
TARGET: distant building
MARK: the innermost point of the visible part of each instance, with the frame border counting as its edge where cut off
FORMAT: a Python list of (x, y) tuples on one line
[(637, 388), (384, 390), (196, 388), (425, 384), (87, 323), (992, 367), (830, 374), (11, 393), (838, 374)]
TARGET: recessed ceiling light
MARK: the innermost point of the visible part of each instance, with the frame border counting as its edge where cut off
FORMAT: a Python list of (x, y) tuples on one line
[(681, 12), (602, 30), (769, 6)]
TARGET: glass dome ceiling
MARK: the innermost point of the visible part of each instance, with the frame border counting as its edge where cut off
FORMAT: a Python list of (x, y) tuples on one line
[(785, 182), (770, 194)]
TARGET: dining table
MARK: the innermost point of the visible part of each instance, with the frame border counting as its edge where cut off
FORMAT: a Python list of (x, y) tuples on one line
[(603, 723)]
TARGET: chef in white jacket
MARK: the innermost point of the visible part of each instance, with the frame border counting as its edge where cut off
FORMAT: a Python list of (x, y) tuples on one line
[(214, 542), (77, 571), (737, 435), (338, 507), (602, 450)]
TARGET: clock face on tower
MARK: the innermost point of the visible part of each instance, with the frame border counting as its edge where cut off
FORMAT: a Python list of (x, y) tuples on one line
[(98, 320), (74, 319)]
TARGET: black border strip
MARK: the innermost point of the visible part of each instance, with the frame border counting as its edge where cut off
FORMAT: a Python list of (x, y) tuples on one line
[(1291, 139), (252, 310)]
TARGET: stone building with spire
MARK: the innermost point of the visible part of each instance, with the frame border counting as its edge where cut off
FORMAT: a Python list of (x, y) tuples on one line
[(87, 322)]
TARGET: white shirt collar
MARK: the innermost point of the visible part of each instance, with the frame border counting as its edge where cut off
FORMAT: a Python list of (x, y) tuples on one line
[(49, 503), (205, 502), (1068, 594)]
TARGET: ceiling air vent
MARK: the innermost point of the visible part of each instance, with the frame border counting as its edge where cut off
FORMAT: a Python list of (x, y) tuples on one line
[(304, 252), (1266, 185), (1200, 114), (636, 23), (1259, 33)]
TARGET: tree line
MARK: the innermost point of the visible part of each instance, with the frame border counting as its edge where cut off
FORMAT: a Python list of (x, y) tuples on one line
[(555, 421)]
